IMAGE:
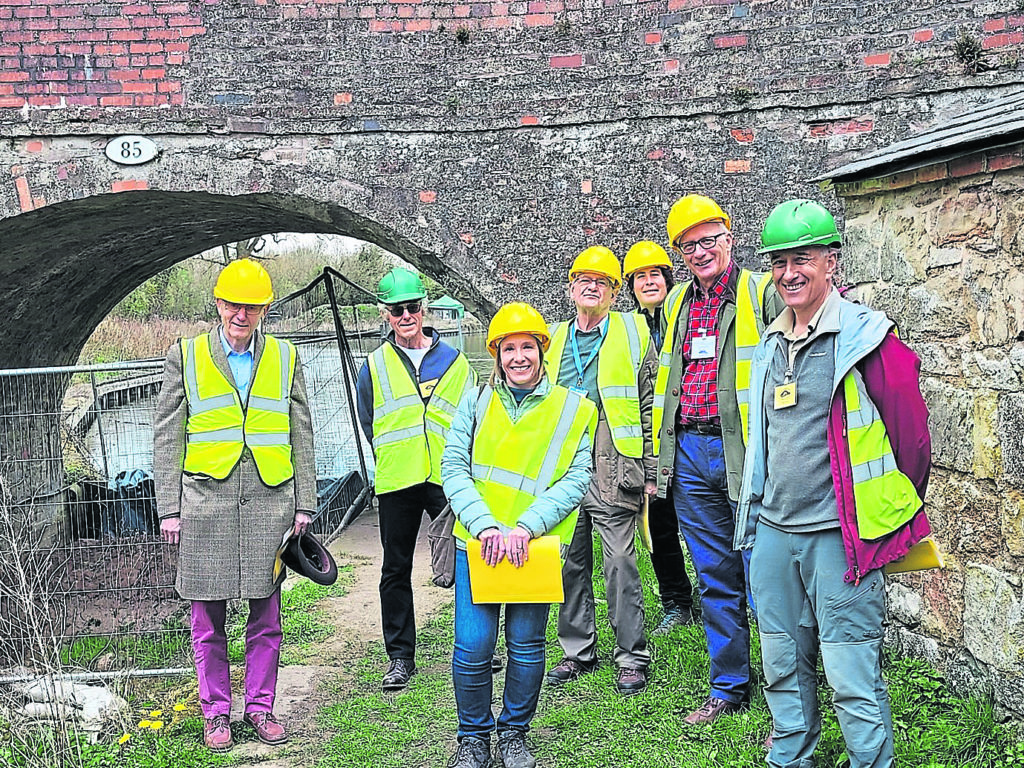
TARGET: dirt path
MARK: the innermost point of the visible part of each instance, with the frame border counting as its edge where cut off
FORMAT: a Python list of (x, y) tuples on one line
[(357, 618)]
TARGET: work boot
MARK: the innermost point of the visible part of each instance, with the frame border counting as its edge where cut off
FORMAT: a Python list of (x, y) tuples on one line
[(472, 753), (398, 674), (711, 710), (268, 730), (569, 669), (630, 681), (513, 750), (675, 616), (217, 733)]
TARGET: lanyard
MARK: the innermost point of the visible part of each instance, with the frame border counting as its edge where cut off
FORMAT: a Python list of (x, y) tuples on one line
[(580, 365)]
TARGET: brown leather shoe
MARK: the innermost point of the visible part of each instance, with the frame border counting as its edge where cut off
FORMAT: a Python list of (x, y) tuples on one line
[(710, 711), (569, 669), (630, 681), (217, 733), (268, 730)]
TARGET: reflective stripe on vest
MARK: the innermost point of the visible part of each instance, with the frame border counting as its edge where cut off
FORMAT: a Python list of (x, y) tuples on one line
[(618, 364), (749, 327), (751, 288), (408, 437), (217, 430), (884, 497), (514, 463)]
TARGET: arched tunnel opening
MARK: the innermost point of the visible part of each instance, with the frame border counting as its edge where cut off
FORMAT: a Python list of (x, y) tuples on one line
[(65, 266)]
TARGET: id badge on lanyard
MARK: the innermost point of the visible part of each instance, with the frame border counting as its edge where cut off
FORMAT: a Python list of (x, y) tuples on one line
[(702, 347)]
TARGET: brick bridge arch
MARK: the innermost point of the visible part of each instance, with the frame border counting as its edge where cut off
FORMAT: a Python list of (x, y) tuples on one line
[(65, 266)]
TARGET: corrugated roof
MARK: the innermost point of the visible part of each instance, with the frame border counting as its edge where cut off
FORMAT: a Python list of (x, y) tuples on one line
[(997, 123)]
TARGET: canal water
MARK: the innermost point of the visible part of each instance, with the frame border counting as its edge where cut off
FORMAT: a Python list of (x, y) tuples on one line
[(121, 439)]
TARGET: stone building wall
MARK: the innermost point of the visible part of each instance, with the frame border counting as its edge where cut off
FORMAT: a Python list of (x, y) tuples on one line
[(941, 250)]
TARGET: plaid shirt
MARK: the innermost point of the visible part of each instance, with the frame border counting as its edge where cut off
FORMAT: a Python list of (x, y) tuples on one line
[(698, 398)]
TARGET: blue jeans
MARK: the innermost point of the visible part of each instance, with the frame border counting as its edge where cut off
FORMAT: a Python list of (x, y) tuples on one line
[(806, 607), (476, 632), (700, 492)]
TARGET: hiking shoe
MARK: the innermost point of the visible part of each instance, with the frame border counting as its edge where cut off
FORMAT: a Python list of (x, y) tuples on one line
[(398, 674), (630, 681), (711, 710), (513, 751), (674, 617), (268, 730), (217, 733), (472, 753), (569, 669), (496, 664)]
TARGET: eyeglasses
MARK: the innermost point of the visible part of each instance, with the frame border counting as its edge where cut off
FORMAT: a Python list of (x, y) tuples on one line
[(250, 309), (586, 282), (690, 246), (397, 310)]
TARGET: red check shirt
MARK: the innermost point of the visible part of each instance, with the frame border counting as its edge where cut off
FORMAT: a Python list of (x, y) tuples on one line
[(698, 398)]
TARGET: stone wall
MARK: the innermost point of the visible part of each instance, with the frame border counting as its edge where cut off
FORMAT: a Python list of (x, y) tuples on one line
[(941, 250)]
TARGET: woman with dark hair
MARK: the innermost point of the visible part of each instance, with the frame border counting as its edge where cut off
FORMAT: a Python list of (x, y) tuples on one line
[(648, 271), (515, 467)]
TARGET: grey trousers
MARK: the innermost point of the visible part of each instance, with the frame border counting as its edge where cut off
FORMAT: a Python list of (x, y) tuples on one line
[(804, 607), (577, 621)]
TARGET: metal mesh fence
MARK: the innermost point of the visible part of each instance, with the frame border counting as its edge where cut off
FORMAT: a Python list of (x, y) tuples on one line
[(85, 580)]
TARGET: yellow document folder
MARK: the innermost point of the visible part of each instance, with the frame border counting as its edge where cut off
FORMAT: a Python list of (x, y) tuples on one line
[(539, 580), (922, 556)]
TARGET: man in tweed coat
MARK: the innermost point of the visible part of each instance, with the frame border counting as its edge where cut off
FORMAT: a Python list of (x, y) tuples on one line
[(234, 471)]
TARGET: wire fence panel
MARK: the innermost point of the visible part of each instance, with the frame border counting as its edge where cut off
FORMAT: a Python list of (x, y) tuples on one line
[(85, 580)]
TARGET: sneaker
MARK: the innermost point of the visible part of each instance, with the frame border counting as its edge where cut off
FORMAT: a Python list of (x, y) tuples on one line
[(495, 664), (472, 753), (398, 674), (711, 710), (630, 681), (217, 733), (513, 751), (675, 616), (268, 730), (569, 669)]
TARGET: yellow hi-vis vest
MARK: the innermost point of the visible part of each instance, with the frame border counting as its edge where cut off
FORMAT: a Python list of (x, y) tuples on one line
[(515, 462), (885, 498), (218, 430), (749, 326), (408, 437), (618, 362)]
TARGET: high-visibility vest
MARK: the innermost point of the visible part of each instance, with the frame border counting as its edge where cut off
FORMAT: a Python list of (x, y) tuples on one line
[(515, 462), (218, 430), (618, 362), (749, 326), (884, 497), (408, 436)]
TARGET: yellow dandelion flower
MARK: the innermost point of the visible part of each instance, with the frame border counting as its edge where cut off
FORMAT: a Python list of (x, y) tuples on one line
[(124, 738), (156, 725), (156, 713), (144, 723), (179, 707)]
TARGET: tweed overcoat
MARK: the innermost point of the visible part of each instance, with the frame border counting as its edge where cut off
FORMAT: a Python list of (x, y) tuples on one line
[(230, 528)]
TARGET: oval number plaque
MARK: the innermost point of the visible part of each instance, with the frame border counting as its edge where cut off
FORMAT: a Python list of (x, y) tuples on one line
[(131, 150)]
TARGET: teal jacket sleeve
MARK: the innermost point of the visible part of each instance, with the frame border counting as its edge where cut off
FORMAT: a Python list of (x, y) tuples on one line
[(555, 504), (456, 470)]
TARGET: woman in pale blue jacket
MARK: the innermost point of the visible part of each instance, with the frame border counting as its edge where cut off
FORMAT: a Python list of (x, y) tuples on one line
[(516, 465)]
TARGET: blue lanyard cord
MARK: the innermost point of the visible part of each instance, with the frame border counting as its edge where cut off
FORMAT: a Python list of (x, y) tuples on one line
[(580, 365)]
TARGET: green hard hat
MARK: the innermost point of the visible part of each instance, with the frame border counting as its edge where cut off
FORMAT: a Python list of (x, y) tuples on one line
[(798, 223), (400, 285)]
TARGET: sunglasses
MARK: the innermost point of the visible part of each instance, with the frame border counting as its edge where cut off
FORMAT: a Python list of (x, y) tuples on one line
[(413, 307)]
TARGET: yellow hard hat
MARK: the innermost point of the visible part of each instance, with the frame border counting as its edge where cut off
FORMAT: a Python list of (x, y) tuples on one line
[(689, 211), (598, 259), (244, 282), (516, 317), (645, 254)]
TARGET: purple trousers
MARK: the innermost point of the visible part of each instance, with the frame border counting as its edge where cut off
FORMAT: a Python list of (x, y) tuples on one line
[(262, 652)]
